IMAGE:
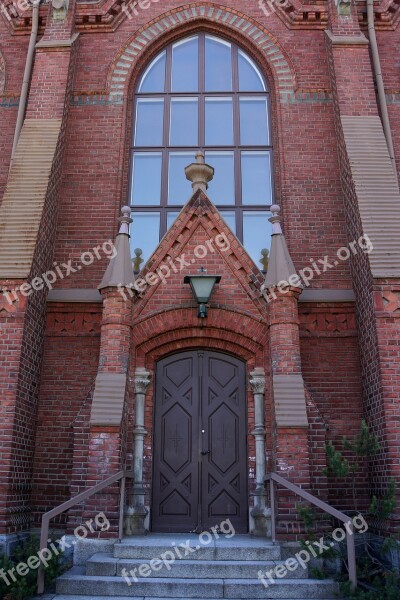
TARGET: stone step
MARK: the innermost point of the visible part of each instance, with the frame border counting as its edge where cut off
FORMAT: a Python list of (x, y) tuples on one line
[(108, 566), (243, 548), (66, 597), (74, 584)]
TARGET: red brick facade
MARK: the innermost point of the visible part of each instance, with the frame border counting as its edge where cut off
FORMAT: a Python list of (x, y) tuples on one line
[(348, 352)]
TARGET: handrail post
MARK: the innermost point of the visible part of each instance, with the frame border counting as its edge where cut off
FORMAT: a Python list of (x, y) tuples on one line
[(44, 534), (349, 526), (351, 555), (121, 510), (273, 513)]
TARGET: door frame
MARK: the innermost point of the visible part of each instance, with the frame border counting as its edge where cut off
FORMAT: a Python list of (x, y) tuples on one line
[(222, 353)]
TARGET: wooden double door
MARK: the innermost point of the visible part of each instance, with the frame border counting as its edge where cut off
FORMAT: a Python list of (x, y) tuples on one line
[(200, 450)]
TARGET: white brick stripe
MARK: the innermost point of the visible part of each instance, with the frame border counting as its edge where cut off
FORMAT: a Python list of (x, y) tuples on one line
[(121, 71)]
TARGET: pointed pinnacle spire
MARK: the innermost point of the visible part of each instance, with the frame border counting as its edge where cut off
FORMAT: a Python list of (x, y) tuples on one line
[(199, 173), (280, 264), (119, 272)]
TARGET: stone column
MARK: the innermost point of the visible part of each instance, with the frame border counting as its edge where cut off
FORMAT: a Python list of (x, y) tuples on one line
[(137, 513), (259, 513)]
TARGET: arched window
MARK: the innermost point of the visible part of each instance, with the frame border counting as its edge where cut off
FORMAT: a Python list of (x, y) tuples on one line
[(202, 92)]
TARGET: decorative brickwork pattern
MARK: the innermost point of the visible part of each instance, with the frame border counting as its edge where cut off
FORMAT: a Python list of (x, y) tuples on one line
[(122, 66)]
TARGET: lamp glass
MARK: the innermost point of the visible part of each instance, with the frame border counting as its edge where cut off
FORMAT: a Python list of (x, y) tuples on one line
[(202, 286)]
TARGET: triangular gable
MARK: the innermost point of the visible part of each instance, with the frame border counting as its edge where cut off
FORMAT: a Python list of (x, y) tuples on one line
[(199, 238)]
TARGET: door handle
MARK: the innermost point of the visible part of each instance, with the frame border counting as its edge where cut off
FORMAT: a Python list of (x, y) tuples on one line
[(204, 452)]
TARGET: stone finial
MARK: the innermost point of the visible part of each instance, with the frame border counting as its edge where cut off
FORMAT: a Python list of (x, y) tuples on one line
[(343, 8), (60, 9), (199, 173), (125, 220), (137, 261), (264, 258), (276, 219)]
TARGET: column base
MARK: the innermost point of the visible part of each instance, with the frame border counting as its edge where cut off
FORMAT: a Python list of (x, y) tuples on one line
[(260, 522), (135, 520)]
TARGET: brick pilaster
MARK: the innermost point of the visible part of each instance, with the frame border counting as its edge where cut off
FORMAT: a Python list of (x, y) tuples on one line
[(290, 434), (108, 427), (377, 297), (26, 253)]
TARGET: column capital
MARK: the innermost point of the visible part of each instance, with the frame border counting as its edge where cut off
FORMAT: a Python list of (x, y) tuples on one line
[(257, 381), (142, 380)]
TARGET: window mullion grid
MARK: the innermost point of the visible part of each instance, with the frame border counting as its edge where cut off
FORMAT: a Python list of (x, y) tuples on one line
[(166, 134), (202, 77), (237, 155), (238, 208)]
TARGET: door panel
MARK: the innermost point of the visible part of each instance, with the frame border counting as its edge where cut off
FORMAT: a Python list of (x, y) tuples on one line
[(224, 472), (176, 444), (200, 464)]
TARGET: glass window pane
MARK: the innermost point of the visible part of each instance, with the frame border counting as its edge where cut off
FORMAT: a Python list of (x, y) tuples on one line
[(185, 66), (171, 217), (153, 79), (219, 122), (149, 122), (145, 235), (179, 188), (250, 78), (184, 122), (230, 219), (218, 65), (256, 178), (254, 122), (257, 236), (146, 173), (222, 188)]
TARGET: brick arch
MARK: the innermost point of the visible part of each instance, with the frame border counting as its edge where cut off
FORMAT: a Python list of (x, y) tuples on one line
[(245, 31), (167, 332), (2, 74)]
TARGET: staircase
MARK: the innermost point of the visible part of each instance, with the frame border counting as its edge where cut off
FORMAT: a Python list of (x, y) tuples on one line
[(181, 566)]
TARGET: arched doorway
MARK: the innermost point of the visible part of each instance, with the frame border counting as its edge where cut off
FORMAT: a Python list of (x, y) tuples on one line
[(200, 450)]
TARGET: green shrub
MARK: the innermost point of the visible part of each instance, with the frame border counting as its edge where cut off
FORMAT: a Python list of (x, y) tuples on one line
[(25, 586)]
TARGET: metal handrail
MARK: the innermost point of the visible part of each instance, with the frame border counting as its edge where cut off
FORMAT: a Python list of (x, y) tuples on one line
[(44, 533), (351, 553)]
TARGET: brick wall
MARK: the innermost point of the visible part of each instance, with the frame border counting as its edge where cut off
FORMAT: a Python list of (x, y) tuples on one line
[(314, 185), (70, 360), (331, 370), (22, 333), (378, 379)]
